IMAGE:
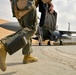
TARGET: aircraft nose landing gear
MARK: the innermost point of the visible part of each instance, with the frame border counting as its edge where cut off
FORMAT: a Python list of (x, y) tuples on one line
[(61, 43)]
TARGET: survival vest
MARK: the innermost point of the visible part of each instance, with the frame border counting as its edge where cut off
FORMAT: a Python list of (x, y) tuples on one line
[(21, 7)]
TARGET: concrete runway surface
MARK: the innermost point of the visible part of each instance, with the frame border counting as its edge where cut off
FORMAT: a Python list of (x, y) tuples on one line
[(53, 60)]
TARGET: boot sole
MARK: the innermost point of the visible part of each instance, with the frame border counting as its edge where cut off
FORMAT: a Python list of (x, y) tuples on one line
[(29, 61)]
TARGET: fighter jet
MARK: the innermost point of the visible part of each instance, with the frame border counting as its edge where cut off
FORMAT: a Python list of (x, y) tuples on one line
[(56, 35)]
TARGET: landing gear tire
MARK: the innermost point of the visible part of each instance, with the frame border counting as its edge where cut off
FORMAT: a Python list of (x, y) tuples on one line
[(48, 43), (40, 43), (61, 43)]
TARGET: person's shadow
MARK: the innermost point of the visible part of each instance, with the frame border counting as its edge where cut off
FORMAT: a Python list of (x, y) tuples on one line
[(13, 64), (10, 73)]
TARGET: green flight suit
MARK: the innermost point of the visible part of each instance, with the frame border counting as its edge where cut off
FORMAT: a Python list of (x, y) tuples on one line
[(29, 22)]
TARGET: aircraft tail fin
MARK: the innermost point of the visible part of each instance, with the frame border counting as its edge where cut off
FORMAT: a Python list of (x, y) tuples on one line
[(68, 26), (69, 29)]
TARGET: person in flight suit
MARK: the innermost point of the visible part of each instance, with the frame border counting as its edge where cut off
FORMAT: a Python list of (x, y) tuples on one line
[(27, 18)]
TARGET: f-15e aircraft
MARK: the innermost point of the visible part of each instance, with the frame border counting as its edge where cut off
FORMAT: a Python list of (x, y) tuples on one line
[(55, 36), (46, 34)]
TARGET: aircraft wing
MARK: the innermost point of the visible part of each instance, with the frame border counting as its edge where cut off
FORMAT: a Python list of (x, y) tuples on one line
[(13, 26), (67, 32)]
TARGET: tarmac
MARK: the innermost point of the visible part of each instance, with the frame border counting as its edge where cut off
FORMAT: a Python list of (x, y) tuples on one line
[(52, 60)]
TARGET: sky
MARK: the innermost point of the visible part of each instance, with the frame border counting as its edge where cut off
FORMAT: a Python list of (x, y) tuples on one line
[(66, 13)]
